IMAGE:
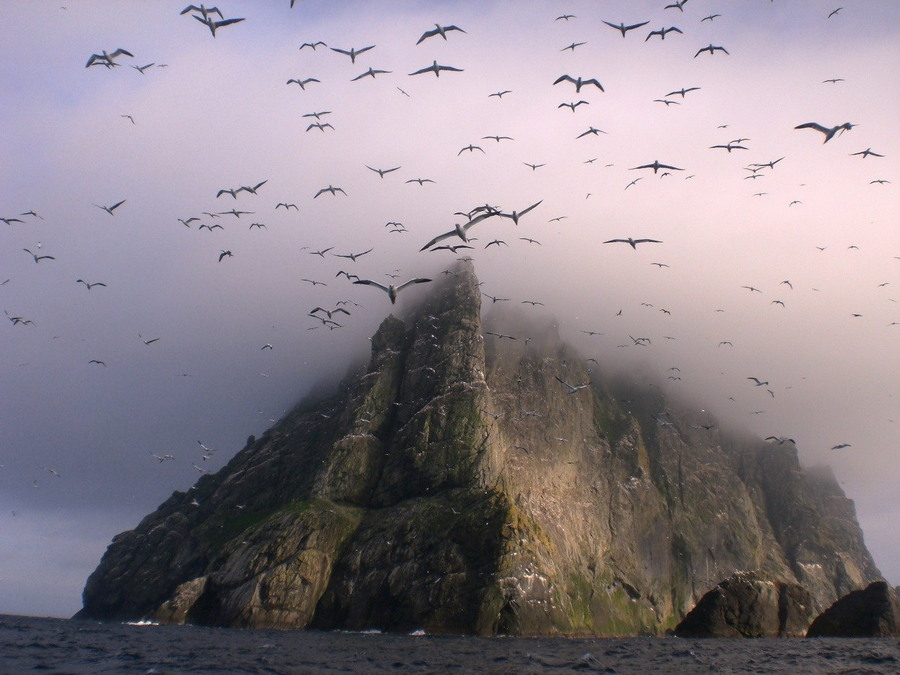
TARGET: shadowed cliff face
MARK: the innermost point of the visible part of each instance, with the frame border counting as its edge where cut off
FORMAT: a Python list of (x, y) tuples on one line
[(456, 485)]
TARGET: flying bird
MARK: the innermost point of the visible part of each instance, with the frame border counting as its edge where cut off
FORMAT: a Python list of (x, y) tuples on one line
[(633, 242), (215, 25), (711, 49), (38, 258), (656, 166), (436, 69), (438, 30), (662, 32), (371, 72), (313, 45), (333, 190), (352, 256), (682, 91), (391, 289), (352, 52), (579, 82), (623, 28), (106, 58), (515, 215), (865, 153), (110, 209), (302, 83), (381, 172), (829, 132), (573, 105), (89, 286)]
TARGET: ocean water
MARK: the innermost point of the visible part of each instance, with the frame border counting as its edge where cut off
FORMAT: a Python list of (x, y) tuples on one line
[(30, 644)]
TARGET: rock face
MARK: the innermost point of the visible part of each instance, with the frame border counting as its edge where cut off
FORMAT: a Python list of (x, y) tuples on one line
[(871, 612), (746, 605), (456, 486)]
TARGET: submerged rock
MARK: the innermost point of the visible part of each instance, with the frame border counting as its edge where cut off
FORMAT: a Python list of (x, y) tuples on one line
[(456, 486), (871, 612)]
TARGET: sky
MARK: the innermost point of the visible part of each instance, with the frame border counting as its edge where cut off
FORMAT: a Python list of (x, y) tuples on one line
[(200, 352)]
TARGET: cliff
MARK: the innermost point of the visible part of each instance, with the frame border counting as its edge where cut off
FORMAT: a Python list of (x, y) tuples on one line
[(456, 486)]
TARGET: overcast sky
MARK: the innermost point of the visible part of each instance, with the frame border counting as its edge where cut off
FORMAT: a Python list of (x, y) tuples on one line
[(216, 113)]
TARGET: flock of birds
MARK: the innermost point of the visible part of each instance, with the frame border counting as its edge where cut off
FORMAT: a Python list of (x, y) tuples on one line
[(459, 239)]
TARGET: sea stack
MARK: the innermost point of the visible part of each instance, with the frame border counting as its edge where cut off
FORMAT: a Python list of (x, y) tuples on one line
[(454, 485)]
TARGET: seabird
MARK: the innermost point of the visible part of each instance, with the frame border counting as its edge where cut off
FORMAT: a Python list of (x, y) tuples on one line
[(662, 32), (711, 49), (110, 209), (381, 172), (633, 242), (829, 133), (438, 30), (352, 52), (106, 58), (436, 69), (214, 25), (579, 82), (333, 190), (391, 289), (623, 28), (656, 166), (302, 83)]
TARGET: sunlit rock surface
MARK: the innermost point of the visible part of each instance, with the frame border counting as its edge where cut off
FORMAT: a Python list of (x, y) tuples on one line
[(454, 485)]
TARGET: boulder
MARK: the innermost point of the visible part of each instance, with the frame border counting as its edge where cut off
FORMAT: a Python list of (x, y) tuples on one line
[(871, 612)]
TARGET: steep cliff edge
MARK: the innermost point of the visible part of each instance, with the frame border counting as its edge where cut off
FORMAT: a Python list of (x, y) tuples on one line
[(457, 486)]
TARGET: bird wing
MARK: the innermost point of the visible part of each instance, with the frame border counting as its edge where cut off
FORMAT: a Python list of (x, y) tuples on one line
[(427, 34), (636, 25), (369, 282), (647, 241), (410, 282), (440, 237), (564, 78)]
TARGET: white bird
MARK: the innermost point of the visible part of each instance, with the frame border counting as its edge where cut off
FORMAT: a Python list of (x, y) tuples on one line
[(391, 289), (572, 388), (438, 30)]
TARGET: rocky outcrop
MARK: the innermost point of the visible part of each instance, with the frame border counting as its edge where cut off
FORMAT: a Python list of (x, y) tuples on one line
[(747, 605), (871, 612), (455, 485)]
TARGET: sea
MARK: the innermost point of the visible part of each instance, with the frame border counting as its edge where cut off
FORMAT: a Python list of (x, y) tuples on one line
[(44, 645)]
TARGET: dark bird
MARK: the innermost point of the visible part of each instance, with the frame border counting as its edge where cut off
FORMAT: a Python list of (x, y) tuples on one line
[(391, 289), (89, 286), (666, 101), (438, 30), (321, 126), (495, 298), (711, 17), (235, 213), (253, 188), (98, 362), (470, 148), (352, 256), (565, 17), (573, 105), (711, 49), (224, 254), (497, 138), (633, 242), (678, 4), (148, 342), (829, 133), (371, 72), (499, 94), (420, 181), (187, 222), (302, 83), (534, 167), (656, 166), (110, 209), (10, 221), (313, 45), (682, 91), (515, 215), (573, 389), (436, 69), (210, 227), (729, 147), (141, 70), (215, 25), (662, 32), (106, 58), (833, 80), (573, 46), (286, 206), (499, 336), (204, 11), (841, 446), (834, 12), (321, 253), (623, 28), (591, 130), (759, 383), (38, 258), (329, 312), (865, 153), (352, 52), (381, 172), (579, 82), (333, 190)]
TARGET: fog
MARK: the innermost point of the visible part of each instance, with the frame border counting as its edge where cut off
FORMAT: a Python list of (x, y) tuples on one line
[(77, 464)]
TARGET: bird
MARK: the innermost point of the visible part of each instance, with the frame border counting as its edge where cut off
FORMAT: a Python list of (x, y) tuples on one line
[(656, 166), (352, 256), (515, 215), (258, 226), (623, 28), (141, 70), (573, 46), (302, 83), (204, 11), (110, 209), (321, 253), (834, 12), (565, 17), (666, 101), (381, 172), (215, 25), (287, 207), (632, 183), (711, 49), (10, 221), (420, 181), (89, 286), (573, 104), (662, 32), (829, 132), (499, 336), (470, 148), (252, 189), (729, 147), (187, 222), (438, 30), (494, 298), (591, 130), (579, 82), (678, 4), (436, 69), (865, 153), (228, 191), (148, 342), (534, 167), (352, 52), (841, 446), (633, 242), (573, 389), (38, 258), (235, 213), (497, 138), (833, 80), (321, 126), (682, 91), (106, 58), (460, 230), (225, 254), (129, 117), (711, 17), (371, 72), (391, 289), (759, 383), (500, 94), (313, 45), (98, 362), (333, 190), (329, 312)]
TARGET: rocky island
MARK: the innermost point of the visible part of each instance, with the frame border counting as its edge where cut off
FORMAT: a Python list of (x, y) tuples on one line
[(455, 485)]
